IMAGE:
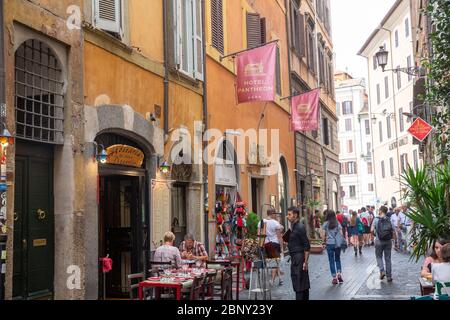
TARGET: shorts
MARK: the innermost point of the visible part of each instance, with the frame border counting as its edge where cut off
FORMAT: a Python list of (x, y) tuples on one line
[(366, 229), (272, 250)]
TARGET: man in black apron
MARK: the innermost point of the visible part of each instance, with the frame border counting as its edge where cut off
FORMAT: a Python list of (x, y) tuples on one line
[(299, 246)]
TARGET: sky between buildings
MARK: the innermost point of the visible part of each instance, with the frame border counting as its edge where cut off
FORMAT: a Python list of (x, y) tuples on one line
[(352, 23)]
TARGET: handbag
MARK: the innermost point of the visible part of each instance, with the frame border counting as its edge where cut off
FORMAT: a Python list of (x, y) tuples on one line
[(340, 240)]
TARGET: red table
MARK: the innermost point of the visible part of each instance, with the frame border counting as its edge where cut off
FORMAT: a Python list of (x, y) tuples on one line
[(178, 285)]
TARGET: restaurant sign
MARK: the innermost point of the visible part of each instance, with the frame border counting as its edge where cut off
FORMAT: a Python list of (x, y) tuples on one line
[(125, 156)]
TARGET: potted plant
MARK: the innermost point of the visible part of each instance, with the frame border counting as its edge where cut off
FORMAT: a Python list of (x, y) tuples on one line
[(427, 191)]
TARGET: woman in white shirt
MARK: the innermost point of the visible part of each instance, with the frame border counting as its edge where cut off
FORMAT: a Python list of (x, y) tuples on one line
[(271, 230), (441, 271)]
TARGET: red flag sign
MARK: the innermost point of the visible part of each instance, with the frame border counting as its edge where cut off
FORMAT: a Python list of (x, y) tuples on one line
[(305, 111), (256, 74), (420, 129)]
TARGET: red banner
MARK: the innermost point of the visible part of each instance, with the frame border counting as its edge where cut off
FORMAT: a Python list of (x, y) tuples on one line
[(256, 74), (420, 129), (305, 111)]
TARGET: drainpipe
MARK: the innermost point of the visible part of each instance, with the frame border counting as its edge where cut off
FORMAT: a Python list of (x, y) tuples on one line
[(289, 43), (166, 68), (205, 127)]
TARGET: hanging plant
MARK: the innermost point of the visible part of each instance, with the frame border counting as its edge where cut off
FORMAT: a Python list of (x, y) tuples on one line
[(438, 75)]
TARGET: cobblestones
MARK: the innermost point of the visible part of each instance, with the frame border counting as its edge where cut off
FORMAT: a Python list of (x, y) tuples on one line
[(361, 279)]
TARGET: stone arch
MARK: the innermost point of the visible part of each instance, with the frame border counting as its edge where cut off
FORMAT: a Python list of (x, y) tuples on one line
[(123, 120)]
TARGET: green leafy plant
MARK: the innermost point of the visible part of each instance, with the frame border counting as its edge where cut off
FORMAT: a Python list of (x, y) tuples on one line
[(252, 225), (427, 191), (438, 75)]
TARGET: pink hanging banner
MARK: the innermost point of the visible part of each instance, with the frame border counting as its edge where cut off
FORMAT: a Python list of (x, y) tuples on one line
[(305, 111), (256, 74)]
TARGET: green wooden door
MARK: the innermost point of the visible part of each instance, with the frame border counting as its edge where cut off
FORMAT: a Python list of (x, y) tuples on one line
[(33, 228)]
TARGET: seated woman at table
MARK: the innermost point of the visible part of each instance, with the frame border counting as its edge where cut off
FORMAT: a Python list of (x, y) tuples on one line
[(441, 271), (167, 252), (435, 257), (193, 250)]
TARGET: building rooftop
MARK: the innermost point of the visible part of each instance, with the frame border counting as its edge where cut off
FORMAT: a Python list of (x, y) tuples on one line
[(350, 83), (382, 23)]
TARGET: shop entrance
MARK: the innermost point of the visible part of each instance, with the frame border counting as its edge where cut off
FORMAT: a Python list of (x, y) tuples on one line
[(122, 228), (257, 196)]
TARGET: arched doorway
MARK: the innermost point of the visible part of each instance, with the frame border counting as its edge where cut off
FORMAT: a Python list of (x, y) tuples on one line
[(123, 213), (226, 182), (39, 112), (283, 190)]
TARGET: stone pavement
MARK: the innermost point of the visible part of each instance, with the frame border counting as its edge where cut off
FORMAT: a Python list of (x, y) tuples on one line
[(361, 278)]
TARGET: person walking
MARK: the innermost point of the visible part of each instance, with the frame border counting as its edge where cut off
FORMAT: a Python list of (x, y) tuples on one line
[(371, 219), (299, 247), (365, 218), (356, 232), (395, 219), (333, 237), (272, 241), (383, 231)]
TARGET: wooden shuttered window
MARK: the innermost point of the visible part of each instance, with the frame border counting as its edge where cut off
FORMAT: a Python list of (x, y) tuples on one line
[(297, 30), (263, 30), (108, 15), (301, 33), (253, 30), (217, 25), (186, 42)]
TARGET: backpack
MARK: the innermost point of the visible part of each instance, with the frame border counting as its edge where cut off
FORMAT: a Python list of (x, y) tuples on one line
[(359, 225), (384, 229), (365, 222)]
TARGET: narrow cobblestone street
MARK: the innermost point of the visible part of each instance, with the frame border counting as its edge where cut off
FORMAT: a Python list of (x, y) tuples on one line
[(361, 279)]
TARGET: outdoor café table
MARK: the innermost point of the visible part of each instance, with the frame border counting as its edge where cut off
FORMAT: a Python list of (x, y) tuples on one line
[(426, 286), (220, 264), (158, 284)]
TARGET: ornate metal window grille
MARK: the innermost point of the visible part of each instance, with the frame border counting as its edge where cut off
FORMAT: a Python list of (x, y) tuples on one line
[(39, 98)]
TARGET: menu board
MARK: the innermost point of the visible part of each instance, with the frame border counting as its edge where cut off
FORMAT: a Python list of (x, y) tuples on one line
[(160, 210)]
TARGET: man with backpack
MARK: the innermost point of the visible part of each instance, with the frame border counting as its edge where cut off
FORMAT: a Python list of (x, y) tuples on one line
[(383, 231)]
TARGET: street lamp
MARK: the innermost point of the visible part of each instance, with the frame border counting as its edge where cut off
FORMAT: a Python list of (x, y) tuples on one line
[(382, 59)]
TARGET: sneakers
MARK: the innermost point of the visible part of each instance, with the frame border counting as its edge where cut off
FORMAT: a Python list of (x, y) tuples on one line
[(281, 282), (335, 281), (340, 279), (389, 279), (382, 275), (360, 250)]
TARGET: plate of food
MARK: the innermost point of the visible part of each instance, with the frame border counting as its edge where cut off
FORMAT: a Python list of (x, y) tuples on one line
[(154, 278)]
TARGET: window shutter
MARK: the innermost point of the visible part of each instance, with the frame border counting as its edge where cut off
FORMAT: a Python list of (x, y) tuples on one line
[(253, 30), (263, 30), (107, 15), (198, 40), (174, 34), (292, 17), (278, 71), (217, 25), (301, 34)]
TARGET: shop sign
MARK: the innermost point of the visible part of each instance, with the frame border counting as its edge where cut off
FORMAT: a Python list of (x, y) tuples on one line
[(125, 156), (225, 174), (420, 129)]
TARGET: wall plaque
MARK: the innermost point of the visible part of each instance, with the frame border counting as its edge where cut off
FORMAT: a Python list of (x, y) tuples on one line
[(39, 242), (124, 155)]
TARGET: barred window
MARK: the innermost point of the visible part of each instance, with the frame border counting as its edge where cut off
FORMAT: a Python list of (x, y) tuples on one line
[(39, 99)]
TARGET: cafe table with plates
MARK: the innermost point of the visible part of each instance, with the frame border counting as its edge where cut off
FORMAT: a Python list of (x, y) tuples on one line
[(177, 279)]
